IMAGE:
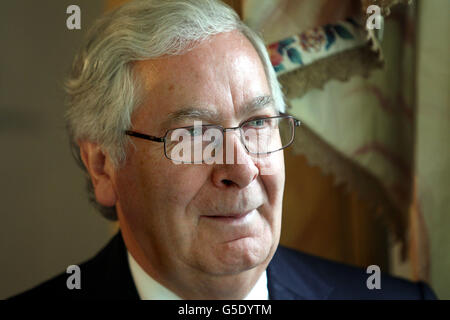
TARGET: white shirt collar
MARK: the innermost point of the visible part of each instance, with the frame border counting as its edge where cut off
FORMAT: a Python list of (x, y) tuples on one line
[(150, 289)]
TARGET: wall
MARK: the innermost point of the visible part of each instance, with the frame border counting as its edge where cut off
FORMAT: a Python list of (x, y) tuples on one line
[(46, 221)]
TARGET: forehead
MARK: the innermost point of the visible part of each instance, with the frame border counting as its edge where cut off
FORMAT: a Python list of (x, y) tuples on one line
[(223, 74)]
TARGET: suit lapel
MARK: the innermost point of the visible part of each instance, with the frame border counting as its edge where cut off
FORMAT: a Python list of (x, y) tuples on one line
[(291, 278), (118, 282)]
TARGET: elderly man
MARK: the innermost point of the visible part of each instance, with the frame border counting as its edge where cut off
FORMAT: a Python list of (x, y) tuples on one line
[(176, 114)]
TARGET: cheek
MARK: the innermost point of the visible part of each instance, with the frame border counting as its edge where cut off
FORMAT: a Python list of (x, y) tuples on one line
[(273, 182), (155, 197), (272, 175), (181, 183), (162, 186)]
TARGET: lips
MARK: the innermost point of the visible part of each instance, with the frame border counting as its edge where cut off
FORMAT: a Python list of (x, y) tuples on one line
[(230, 227), (229, 216)]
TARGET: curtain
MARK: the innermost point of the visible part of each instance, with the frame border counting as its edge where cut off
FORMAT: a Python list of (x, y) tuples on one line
[(354, 90)]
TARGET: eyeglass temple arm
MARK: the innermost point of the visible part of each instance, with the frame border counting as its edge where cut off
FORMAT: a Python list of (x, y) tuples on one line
[(144, 136)]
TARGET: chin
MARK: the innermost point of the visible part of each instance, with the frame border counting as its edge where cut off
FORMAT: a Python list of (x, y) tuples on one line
[(240, 255)]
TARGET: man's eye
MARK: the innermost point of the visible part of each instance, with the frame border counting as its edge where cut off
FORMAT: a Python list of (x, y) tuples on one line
[(258, 123), (195, 131)]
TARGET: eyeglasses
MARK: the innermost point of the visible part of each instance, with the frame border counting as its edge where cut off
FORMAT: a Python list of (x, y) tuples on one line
[(202, 143)]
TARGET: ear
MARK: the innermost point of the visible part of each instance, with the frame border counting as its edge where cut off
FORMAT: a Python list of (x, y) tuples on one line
[(101, 170)]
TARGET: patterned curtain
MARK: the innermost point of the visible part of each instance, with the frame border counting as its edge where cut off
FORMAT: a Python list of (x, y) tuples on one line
[(354, 90)]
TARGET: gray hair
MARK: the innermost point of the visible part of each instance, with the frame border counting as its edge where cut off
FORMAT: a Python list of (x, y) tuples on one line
[(103, 90)]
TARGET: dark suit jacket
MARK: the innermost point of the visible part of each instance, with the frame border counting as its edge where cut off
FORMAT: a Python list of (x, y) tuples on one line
[(291, 275)]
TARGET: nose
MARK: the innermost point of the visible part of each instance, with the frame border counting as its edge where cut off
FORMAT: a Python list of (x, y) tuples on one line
[(238, 168)]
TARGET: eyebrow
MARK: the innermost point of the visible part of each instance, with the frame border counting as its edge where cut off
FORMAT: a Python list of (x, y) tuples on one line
[(256, 104), (192, 113)]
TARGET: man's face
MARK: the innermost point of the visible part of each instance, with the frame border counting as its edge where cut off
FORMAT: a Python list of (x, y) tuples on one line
[(218, 219)]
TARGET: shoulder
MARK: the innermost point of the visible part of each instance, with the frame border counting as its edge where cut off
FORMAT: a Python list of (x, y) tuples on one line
[(319, 278), (104, 276), (56, 287)]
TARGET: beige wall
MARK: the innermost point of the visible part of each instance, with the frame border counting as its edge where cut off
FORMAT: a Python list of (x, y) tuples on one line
[(46, 221)]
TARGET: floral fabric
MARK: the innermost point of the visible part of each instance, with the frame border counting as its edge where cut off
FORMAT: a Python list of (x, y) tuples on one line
[(314, 44)]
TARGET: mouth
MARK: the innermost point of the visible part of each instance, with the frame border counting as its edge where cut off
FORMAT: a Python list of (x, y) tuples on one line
[(230, 217)]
